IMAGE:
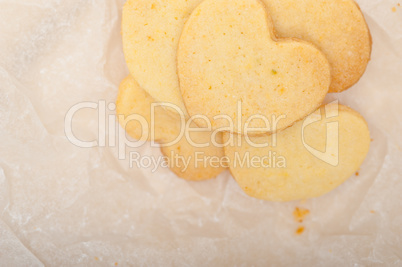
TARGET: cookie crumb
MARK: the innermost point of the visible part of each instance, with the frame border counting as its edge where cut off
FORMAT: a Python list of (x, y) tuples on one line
[(96, 258), (115, 264), (300, 230), (394, 9), (372, 211), (299, 214), (357, 173)]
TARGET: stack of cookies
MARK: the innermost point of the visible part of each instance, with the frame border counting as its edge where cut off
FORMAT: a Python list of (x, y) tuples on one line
[(240, 85)]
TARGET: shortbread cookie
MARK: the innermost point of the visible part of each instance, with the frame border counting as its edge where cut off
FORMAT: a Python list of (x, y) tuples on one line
[(228, 56), (337, 27), (135, 102), (151, 32), (304, 161), (134, 109), (191, 161)]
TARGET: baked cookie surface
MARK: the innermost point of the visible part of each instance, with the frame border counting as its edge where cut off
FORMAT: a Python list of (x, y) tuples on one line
[(228, 57), (151, 32), (336, 27), (188, 155), (134, 113), (304, 161), (191, 160)]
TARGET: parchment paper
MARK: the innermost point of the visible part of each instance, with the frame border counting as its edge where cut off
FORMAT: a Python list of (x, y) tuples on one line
[(61, 205)]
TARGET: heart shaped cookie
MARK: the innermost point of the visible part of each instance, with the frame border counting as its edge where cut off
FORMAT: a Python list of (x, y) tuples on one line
[(231, 65), (151, 30), (336, 27), (304, 161)]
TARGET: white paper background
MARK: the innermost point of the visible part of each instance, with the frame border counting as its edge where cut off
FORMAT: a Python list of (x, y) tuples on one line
[(64, 205)]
